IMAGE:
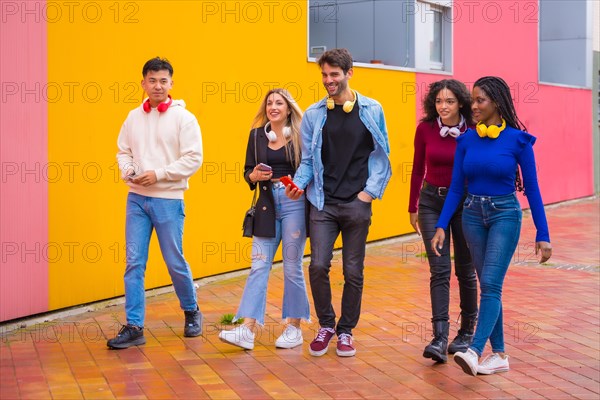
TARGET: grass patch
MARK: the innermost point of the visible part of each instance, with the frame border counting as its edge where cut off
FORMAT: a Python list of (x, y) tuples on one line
[(227, 319)]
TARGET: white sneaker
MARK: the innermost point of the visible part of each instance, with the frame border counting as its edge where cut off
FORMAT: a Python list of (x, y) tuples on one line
[(492, 364), (290, 338), (239, 336), (468, 361)]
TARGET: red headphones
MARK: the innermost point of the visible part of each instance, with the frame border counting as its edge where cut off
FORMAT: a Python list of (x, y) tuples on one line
[(162, 107)]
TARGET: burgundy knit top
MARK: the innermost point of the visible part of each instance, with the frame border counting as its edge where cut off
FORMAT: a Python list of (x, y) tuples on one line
[(433, 160)]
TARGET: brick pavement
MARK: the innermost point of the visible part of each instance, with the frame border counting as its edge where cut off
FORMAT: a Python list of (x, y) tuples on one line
[(551, 315)]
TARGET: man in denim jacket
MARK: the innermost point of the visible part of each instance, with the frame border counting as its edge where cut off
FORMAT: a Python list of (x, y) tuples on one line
[(345, 165)]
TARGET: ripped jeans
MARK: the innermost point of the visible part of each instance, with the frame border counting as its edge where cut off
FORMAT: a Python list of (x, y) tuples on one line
[(290, 231)]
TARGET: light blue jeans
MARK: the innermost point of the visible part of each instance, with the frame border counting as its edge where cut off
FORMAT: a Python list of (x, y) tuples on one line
[(166, 216), (492, 225), (290, 231)]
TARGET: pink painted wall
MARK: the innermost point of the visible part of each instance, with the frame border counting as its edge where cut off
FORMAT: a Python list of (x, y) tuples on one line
[(23, 160), (501, 38)]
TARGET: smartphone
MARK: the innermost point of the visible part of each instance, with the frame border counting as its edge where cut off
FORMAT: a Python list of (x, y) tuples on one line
[(264, 167), (287, 181), (129, 177)]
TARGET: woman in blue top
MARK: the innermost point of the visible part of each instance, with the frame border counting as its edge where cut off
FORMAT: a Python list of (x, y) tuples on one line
[(487, 158)]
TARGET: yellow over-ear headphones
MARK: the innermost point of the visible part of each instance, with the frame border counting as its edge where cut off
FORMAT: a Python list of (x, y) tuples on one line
[(348, 105), (492, 131)]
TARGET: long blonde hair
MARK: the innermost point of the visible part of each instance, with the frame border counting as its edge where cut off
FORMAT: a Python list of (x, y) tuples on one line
[(293, 122)]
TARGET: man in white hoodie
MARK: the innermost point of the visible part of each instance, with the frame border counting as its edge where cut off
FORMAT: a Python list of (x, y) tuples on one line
[(160, 147)]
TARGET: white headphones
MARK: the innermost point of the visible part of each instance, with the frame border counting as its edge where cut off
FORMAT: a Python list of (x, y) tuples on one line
[(453, 131), (272, 136)]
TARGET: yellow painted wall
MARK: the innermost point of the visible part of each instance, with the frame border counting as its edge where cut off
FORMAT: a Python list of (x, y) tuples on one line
[(226, 55)]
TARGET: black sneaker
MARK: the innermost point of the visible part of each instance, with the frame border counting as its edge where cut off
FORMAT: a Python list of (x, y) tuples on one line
[(128, 336), (193, 323)]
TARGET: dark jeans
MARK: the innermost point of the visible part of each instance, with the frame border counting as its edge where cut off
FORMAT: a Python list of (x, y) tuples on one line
[(430, 208), (352, 220)]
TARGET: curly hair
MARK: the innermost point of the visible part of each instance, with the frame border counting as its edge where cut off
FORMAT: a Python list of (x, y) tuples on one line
[(458, 89)]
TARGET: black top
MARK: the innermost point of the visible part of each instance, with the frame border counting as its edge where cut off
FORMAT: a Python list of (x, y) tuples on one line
[(278, 161), (347, 144), (264, 216)]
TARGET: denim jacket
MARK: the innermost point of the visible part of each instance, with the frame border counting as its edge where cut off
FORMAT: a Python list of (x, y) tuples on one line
[(309, 175)]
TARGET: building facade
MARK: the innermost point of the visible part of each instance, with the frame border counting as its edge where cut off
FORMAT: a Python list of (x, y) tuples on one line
[(71, 71)]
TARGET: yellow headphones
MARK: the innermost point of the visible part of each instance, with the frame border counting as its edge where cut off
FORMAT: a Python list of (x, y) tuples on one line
[(492, 131), (348, 105)]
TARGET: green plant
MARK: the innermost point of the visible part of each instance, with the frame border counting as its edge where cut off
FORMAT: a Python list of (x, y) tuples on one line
[(227, 319)]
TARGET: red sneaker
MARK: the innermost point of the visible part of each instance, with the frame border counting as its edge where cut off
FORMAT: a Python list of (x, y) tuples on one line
[(320, 345), (345, 348)]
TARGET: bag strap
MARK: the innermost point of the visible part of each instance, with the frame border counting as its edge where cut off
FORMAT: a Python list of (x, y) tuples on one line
[(255, 163), (255, 151)]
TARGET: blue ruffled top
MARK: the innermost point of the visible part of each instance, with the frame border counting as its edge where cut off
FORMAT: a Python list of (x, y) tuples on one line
[(489, 166)]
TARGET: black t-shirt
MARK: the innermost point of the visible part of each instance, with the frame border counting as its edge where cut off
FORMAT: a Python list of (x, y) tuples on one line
[(347, 144), (277, 159)]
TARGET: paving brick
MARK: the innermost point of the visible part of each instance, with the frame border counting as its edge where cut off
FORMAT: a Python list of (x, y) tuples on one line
[(551, 315)]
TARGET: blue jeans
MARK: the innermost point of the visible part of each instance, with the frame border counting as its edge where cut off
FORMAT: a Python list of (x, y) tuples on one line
[(290, 231), (492, 225), (166, 216)]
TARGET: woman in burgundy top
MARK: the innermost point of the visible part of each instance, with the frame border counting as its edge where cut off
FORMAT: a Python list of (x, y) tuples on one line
[(447, 108)]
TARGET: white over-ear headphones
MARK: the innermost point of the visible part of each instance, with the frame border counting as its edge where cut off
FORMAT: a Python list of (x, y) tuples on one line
[(272, 136), (453, 131)]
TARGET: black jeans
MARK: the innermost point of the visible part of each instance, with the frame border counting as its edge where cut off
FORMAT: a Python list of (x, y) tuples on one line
[(352, 220), (431, 203)]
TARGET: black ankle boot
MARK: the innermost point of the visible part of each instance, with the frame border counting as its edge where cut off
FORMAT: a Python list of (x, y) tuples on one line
[(436, 350), (463, 340)]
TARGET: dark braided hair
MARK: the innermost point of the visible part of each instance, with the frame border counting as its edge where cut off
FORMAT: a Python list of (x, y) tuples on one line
[(458, 89), (499, 92)]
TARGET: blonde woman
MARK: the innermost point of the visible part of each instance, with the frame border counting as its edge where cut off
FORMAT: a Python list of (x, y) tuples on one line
[(273, 152)]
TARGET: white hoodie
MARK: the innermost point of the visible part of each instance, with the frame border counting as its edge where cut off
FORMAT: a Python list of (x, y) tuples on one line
[(169, 143)]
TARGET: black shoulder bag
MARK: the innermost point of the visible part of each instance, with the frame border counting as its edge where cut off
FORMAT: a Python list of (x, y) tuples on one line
[(248, 224)]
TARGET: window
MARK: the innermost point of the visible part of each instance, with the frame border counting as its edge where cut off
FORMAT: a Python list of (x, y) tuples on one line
[(397, 33), (429, 26), (565, 37)]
